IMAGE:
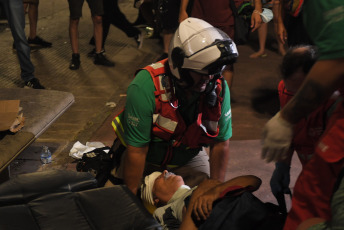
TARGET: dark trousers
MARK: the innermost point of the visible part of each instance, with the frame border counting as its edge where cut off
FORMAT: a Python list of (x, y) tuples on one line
[(113, 15), (297, 34)]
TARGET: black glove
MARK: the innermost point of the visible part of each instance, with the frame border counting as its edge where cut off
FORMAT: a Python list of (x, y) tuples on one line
[(280, 179)]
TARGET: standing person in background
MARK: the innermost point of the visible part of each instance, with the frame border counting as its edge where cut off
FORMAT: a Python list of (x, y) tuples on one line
[(263, 30), (33, 39), (96, 7), (290, 26), (113, 15), (16, 20), (324, 22), (219, 14), (167, 17), (178, 106)]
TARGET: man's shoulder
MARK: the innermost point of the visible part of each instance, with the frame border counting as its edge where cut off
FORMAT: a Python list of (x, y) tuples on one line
[(142, 80)]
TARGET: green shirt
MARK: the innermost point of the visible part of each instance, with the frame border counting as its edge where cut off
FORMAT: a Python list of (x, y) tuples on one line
[(138, 120), (324, 21)]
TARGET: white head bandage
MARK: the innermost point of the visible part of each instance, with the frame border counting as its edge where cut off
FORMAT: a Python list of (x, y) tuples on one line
[(147, 188)]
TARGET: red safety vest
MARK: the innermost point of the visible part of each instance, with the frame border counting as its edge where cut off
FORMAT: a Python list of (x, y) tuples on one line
[(168, 124)]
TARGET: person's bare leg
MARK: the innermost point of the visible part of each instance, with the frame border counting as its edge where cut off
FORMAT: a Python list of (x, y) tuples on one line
[(98, 32), (167, 36), (275, 10), (33, 18), (280, 46), (74, 35), (74, 41), (262, 34)]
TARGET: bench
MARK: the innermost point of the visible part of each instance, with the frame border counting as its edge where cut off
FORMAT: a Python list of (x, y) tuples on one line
[(68, 200), (40, 108)]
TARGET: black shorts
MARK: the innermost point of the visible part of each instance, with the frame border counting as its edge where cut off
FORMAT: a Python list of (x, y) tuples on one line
[(31, 2), (75, 7)]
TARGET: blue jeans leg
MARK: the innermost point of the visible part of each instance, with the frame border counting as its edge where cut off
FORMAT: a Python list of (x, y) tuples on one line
[(16, 19)]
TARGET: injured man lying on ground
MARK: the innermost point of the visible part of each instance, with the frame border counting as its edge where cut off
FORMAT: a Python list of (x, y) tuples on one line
[(180, 207)]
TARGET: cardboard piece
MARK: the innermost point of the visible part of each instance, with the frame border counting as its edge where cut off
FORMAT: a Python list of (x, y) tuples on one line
[(8, 113)]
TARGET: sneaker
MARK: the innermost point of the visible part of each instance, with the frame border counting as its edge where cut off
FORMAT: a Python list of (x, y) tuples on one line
[(34, 84), (100, 59), (139, 40), (37, 41), (75, 62), (149, 32)]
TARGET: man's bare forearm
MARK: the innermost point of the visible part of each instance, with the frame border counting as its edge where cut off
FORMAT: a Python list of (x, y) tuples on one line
[(182, 11), (219, 156), (134, 164), (306, 100), (324, 78), (258, 5), (216, 188), (244, 181), (183, 5)]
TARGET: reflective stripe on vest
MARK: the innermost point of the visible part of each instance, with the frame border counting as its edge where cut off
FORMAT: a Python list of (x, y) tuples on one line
[(119, 130), (165, 123), (157, 65)]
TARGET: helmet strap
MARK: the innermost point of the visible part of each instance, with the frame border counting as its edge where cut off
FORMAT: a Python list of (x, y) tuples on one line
[(210, 92), (185, 80)]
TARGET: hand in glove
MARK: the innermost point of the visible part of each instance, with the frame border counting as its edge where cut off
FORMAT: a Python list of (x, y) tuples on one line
[(280, 179), (277, 136)]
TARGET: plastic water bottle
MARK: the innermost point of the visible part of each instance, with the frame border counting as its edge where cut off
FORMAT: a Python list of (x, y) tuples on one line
[(45, 155)]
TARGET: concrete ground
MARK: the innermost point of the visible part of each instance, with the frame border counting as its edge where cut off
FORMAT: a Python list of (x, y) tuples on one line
[(254, 91)]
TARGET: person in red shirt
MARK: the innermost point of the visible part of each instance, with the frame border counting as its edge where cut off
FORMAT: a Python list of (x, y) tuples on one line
[(295, 66)]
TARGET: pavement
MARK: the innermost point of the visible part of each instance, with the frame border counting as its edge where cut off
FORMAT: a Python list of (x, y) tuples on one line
[(100, 91)]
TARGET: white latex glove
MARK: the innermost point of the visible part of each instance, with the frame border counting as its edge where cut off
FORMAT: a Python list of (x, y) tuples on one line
[(277, 136)]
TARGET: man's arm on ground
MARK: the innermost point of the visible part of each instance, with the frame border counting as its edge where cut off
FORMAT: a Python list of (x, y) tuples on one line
[(218, 159), (203, 205), (134, 164), (204, 201), (323, 79)]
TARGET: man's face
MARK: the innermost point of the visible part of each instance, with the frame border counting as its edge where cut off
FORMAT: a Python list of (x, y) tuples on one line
[(293, 83), (200, 81), (166, 185)]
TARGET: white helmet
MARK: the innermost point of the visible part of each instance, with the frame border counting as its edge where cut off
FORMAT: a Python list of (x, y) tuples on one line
[(198, 46)]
